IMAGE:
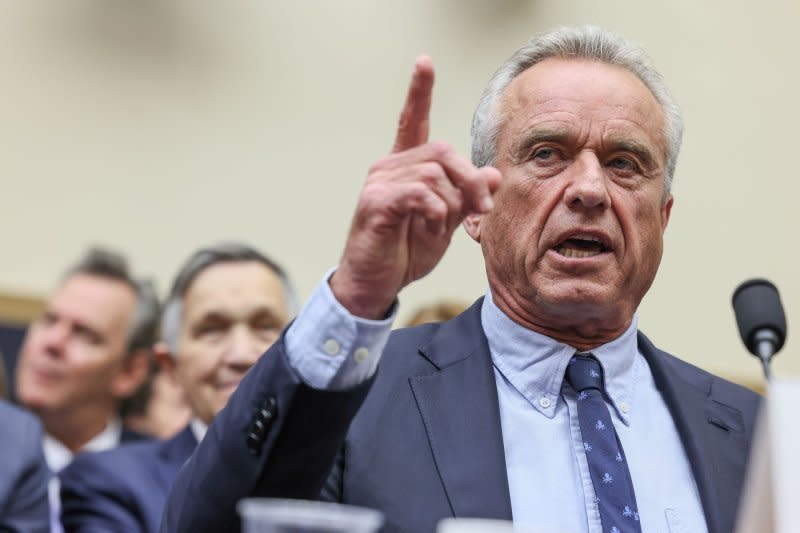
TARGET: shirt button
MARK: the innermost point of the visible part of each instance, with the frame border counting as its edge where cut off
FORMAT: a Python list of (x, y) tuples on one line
[(332, 347), (360, 354), (624, 407), (545, 402)]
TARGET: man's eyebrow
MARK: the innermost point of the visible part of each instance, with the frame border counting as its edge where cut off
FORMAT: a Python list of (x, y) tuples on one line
[(640, 150), (259, 312), (525, 143), (266, 311), (211, 315), (86, 329), (528, 139)]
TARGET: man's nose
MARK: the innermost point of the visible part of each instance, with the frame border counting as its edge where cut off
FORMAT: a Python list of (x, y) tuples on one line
[(588, 188), (244, 347), (55, 335)]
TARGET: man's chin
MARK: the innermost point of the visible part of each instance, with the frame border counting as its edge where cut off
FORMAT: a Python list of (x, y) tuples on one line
[(576, 292), (579, 300), (226, 391)]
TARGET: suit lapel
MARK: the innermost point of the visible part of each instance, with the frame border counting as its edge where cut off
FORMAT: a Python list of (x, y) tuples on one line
[(712, 433), (173, 452), (459, 408)]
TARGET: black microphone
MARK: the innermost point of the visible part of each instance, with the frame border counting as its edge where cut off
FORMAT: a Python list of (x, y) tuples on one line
[(759, 315)]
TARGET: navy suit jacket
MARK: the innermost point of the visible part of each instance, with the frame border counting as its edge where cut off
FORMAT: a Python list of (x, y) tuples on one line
[(123, 489), (23, 473), (427, 442)]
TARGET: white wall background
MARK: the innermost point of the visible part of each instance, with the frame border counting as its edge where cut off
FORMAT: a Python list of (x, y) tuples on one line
[(163, 125)]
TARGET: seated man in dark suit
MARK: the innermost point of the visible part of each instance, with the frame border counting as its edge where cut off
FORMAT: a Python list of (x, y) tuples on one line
[(23, 473), (90, 349), (542, 402), (227, 305)]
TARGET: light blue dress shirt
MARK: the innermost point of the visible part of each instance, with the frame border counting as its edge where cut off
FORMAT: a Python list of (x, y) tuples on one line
[(548, 476)]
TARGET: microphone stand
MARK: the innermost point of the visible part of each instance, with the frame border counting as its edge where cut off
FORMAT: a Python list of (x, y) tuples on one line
[(765, 341)]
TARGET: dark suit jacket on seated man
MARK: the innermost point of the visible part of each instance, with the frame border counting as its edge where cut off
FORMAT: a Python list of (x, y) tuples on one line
[(227, 305), (479, 417)]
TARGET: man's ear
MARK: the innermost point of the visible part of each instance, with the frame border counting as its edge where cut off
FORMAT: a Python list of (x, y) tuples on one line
[(666, 209), (472, 224), (134, 371), (166, 361)]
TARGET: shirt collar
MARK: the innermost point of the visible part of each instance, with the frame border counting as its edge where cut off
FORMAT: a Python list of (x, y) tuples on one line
[(199, 428), (620, 373), (534, 364), (59, 456)]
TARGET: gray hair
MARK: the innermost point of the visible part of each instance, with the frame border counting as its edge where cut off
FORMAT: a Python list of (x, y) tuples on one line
[(585, 42), (104, 263), (226, 252)]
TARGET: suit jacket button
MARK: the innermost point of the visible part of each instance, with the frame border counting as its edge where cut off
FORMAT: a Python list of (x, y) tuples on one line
[(254, 443), (270, 403)]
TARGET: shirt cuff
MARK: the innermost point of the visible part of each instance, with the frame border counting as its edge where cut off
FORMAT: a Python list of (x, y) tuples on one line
[(332, 349)]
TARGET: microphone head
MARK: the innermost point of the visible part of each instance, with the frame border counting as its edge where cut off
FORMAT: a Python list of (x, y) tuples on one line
[(757, 306)]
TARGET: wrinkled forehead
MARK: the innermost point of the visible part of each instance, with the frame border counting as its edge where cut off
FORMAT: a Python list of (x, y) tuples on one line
[(581, 89), (235, 287), (101, 302)]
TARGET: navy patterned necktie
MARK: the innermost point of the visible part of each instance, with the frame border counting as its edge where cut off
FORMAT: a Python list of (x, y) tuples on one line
[(607, 464)]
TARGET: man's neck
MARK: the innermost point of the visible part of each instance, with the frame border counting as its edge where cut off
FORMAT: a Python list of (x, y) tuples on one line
[(74, 432), (582, 329)]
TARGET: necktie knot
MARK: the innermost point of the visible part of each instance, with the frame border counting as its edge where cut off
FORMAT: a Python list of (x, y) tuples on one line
[(584, 372)]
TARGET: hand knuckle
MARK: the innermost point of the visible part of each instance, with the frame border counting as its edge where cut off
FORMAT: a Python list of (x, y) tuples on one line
[(429, 171), (441, 148), (418, 191)]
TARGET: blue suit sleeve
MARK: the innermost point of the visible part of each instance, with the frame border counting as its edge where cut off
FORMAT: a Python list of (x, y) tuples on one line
[(277, 437)]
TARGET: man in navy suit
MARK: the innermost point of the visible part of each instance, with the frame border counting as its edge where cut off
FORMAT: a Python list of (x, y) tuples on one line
[(575, 142), (227, 305), (23, 473)]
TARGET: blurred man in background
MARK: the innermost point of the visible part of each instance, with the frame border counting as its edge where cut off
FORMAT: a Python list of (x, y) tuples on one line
[(228, 304), (89, 351)]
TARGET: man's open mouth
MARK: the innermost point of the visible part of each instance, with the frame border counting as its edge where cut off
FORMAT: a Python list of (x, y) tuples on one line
[(580, 246)]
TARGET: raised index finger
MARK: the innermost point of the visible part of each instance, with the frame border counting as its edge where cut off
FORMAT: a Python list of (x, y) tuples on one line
[(414, 123)]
